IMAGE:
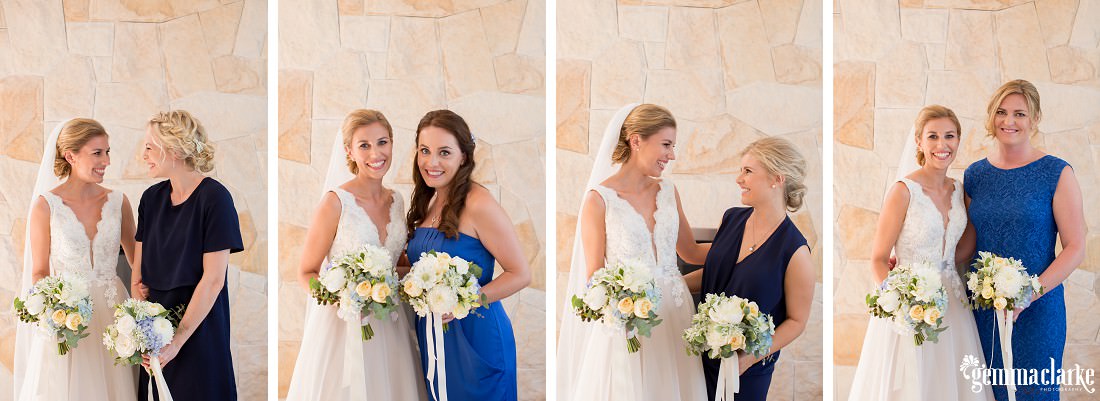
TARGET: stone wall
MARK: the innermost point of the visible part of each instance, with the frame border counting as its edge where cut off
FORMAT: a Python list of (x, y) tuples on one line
[(892, 58), (405, 58), (731, 72), (119, 63)]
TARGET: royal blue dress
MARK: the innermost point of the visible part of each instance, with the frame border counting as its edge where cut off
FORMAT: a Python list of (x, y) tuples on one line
[(173, 239), (1012, 212), (481, 348), (759, 278)]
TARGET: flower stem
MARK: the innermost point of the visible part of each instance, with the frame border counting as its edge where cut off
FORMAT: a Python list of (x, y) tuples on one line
[(367, 332), (633, 344)]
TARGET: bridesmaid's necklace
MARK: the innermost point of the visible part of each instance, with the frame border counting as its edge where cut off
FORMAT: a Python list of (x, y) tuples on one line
[(755, 242)]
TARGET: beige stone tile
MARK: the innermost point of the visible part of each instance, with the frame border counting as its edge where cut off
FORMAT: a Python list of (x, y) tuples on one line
[(240, 165), (21, 114), (1070, 65), (350, 7), (520, 74), (292, 310), (5, 54), (893, 130), (590, 30), (900, 76), (706, 198), (1079, 289), (532, 35), (853, 103), (340, 85), (924, 26), (746, 56), (129, 104), (219, 28), (571, 183), (776, 109), (524, 183), (317, 33), (573, 83), (855, 281), (848, 333), (781, 19), (809, 25), (252, 33), (843, 375), (618, 75), (225, 115), (797, 65), (405, 101), (423, 9), (467, 64), (295, 113), (69, 89), (137, 54), (420, 57), (367, 33), (499, 118), (687, 94), (1056, 20), (297, 210), (871, 28), (936, 54), (376, 64), (866, 191), (90, 38), (37, 36), (643, 23), (969, 38), (855, 231), (288, 354), (1022, 53), (963, 92), (692, 41), (987, 5), (75, 10), (502, 24), (234, 74), (485, 171), (1066, 107), (683, 3), (187, 63), (291, 239), (711, 146), (809, 379), (130, 11), (184, 7)]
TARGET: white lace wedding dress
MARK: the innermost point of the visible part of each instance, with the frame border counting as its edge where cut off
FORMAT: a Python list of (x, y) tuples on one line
[(662, 369), (88, 372), (891, 366), (334, 363)]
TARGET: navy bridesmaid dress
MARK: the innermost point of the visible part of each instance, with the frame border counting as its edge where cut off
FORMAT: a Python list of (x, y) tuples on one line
[(759, 278), (1013, 215), (173, 239), (481, 348)]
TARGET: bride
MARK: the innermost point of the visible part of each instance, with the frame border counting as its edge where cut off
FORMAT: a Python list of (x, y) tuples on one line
[(76, 226), (922, 219), (628, 212)]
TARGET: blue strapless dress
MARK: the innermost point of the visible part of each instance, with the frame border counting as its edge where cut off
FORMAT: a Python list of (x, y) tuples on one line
[(481, 348)]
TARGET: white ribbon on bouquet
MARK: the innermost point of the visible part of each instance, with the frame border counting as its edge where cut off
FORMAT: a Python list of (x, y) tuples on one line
[(353, 354), (437, 358), (1004, 330), (729, 378), (156, 375)]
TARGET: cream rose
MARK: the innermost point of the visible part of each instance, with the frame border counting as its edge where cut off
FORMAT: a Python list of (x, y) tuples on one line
[(412, 290), (58, 317), (73, 321), (642, 308), (1000, 303), (916, 312), (738, 340), (987, 291), (931, 315), (626, 306), (363, 289), (754, 309), (380, 292)]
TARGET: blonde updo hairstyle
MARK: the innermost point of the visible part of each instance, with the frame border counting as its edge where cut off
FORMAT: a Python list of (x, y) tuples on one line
[(1015, 87), (182, 134), (644, 120), (361, 118), (73, 136), (929, 113), (780, 157)]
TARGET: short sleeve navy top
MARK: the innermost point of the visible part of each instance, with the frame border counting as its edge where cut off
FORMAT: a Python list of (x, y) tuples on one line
[(174, 237)]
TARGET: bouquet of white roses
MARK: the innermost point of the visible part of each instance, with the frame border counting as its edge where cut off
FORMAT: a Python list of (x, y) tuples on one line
[(1004, 285), (440, 283), (61, 306), (622, 295), (913, 299), (142, 328), (361, 283), (722, 326), (1001, 283)]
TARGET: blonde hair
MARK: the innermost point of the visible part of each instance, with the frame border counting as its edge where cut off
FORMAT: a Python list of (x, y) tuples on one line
[(1015, 87), (73, 136), (644, 120), (361, 118), (929, 113), (182, 134), (780, 157)]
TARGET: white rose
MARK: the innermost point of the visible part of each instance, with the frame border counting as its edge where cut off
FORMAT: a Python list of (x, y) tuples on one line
[(441, 300), (1008, 282), (154, 309), (126, 324), (334, 279), (728, 311), (461, 265), (972, 283), (163, 328), (125, 345), (35, 304), (73, 293), (1035, 284), (635, 279), (412, 289), (889, 301), (460, 312), (715, 339), (596, 297)]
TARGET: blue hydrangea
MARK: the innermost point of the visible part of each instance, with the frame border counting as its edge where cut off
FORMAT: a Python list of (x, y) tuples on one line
[(152, 342)]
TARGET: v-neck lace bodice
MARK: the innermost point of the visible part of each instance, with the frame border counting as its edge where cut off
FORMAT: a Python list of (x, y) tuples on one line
[(924, 238), (628, 237), (72, 250), (356, 227)]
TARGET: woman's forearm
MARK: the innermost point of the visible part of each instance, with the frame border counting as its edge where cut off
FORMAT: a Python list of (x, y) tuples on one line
[(202, 301), (504, 285)]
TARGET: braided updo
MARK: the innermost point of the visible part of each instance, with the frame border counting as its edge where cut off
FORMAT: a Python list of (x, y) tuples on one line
[(183, 135)]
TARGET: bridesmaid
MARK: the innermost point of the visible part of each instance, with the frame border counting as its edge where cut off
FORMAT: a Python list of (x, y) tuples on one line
[(187, 227), (451, 213), (1022, 202), (759, 254)]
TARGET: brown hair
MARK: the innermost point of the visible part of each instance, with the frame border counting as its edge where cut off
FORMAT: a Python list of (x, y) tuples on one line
[(73, 136), (780, 157), (1015, 87), (183, 135), (644, 120), (361, 118), (929, 113), (459, 188)]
